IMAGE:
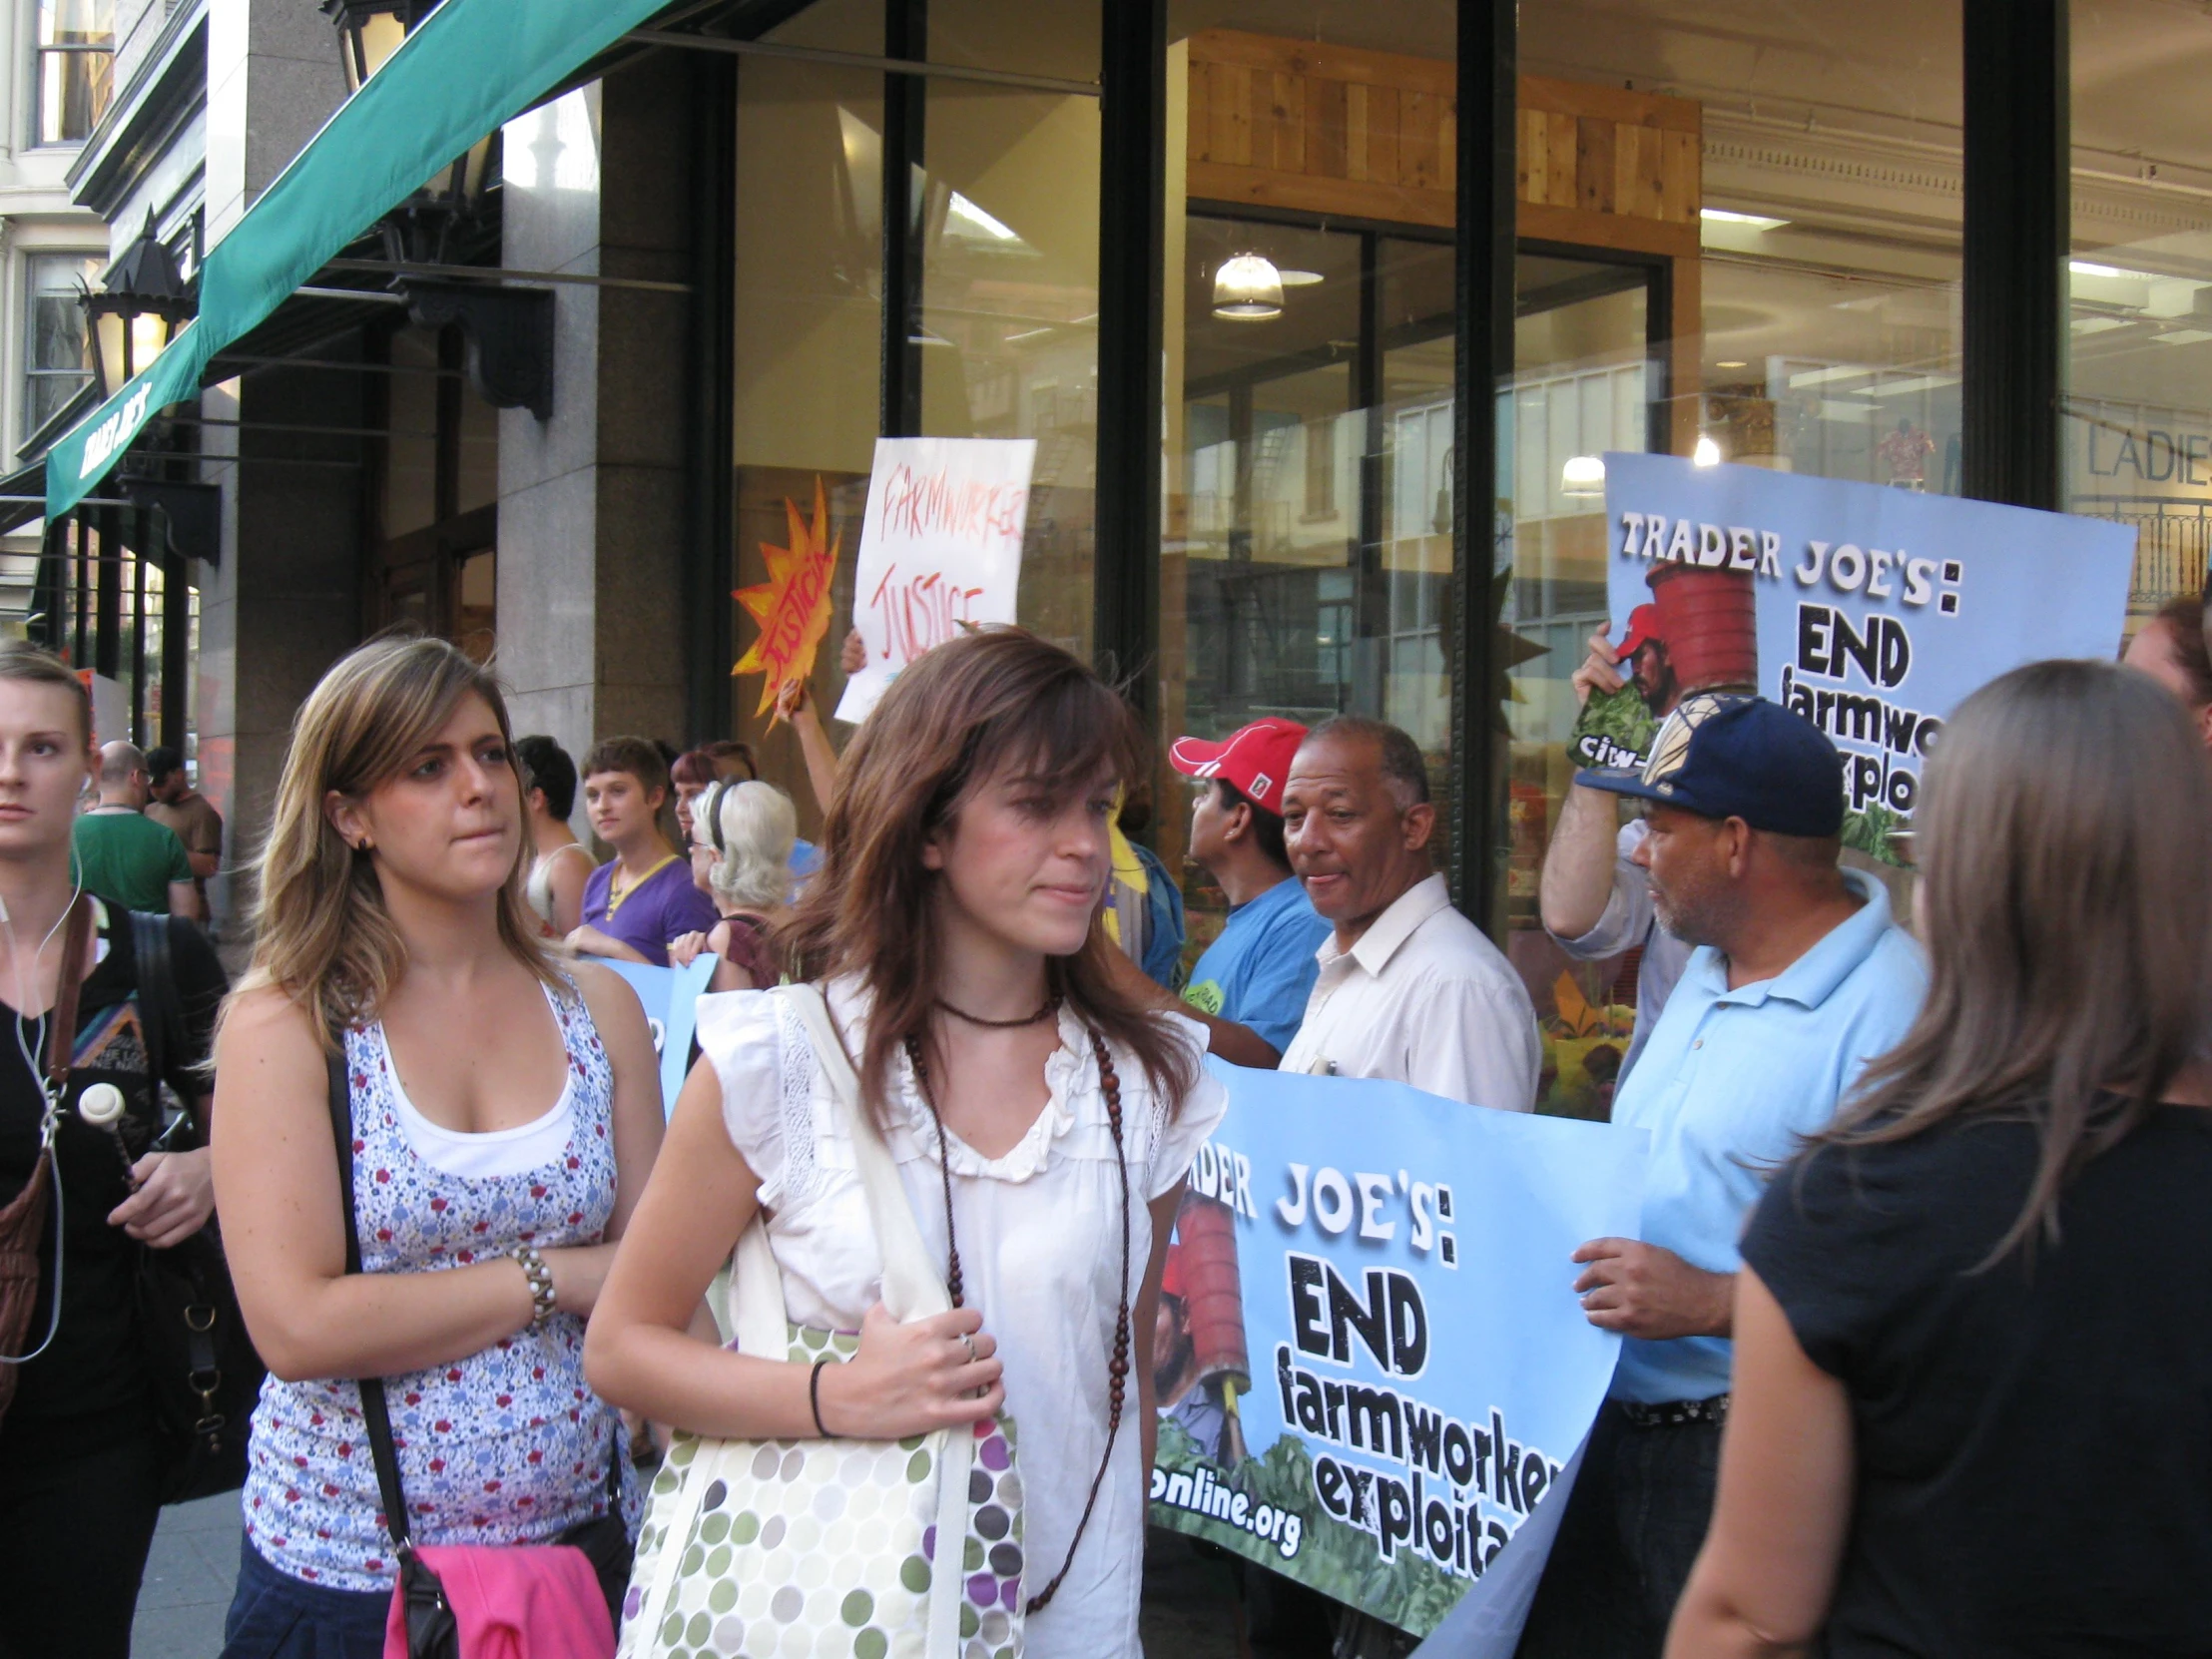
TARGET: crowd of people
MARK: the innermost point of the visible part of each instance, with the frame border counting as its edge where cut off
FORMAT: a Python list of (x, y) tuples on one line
[(1911, 1360)]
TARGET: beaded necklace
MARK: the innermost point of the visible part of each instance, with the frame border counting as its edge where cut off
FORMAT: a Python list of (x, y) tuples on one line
[(1117, 1369)]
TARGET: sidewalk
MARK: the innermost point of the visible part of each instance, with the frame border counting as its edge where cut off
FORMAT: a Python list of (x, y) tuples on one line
[(188, 1576), (1188, 1606)]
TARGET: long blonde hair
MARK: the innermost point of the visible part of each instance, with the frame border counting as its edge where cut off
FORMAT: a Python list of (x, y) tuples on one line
[(322, 933)]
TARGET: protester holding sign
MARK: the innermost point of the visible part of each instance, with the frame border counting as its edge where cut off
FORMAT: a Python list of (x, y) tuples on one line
[(1594, 898), (1800, 978), (1407, 988), (1973, 1326), (1040, 1125)]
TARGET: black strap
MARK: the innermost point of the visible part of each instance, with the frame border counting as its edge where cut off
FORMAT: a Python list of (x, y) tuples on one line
[(374, 1412), (161, 1007)]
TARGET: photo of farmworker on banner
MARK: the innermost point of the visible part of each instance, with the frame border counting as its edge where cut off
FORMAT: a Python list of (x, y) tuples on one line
[(1371, 1372), (1871, 611)]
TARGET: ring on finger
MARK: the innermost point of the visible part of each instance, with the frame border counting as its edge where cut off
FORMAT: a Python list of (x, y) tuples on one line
[(967, 1342)]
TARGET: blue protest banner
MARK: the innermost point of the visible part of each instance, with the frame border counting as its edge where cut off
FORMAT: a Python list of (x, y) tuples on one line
[(1371, 1368), (1872, 611), (671, 998)]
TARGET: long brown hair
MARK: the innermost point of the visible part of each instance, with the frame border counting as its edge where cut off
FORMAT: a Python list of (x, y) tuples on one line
[(2068, 920), (320, 930), (993, 698)]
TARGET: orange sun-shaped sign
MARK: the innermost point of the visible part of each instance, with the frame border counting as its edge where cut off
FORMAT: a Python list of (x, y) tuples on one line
[(793, 605)]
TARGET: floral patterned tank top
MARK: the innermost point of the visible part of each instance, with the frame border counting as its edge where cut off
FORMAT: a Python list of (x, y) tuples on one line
[(507, 1445)]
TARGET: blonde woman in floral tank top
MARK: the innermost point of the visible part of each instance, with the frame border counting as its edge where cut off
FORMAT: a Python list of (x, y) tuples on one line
[(505, 1112)]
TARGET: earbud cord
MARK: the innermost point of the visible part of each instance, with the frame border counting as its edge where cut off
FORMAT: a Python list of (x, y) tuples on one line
[(50, 1121)]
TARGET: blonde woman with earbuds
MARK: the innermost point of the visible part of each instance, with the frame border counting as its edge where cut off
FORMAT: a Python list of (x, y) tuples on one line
[(505, 1110), (81, 1453)]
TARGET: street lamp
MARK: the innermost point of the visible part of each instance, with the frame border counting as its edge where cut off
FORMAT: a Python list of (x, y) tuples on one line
[(508, 330), (141, 301), (370, 31)]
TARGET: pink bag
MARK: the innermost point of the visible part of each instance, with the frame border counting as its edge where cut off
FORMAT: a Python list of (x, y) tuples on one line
[(513, 1601)]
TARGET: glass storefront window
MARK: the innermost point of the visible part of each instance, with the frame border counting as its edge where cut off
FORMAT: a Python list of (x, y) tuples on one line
[(2139, 427), (808, 326), (1740, 242), (1008, 339), (1306, 542)]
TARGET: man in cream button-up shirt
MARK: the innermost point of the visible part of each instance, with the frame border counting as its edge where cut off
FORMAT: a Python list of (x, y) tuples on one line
[(1410, 989)]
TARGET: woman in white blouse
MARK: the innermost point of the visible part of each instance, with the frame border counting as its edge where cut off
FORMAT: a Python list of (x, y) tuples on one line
[(953, 930)]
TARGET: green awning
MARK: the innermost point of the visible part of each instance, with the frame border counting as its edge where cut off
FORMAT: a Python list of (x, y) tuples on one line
[(471, 66)]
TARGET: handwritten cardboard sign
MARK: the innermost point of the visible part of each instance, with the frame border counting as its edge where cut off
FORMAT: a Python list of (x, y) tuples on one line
[(941, 549)]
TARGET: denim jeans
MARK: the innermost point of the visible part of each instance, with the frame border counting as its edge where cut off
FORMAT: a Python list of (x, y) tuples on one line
[(1634, 1524), (277, 1616)]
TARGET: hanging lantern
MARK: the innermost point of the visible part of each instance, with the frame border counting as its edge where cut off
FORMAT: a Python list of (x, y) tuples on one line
[(1248, 288)]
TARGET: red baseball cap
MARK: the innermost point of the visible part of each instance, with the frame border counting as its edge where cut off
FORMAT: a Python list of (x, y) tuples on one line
[(1643, 628), (1254, 758)]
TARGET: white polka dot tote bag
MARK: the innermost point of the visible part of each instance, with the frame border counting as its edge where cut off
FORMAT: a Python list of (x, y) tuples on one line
[(832, 1550)]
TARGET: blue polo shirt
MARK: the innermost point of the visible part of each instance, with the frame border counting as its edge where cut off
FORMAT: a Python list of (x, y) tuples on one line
[(1260, 971), (1729, 1081)]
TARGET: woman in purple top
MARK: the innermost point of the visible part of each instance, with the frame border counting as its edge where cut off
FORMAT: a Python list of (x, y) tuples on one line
[(644, 897)]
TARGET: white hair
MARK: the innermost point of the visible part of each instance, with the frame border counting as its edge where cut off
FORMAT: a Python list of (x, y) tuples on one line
[(749, 826)]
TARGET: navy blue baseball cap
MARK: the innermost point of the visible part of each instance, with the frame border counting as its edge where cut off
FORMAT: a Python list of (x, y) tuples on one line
[(1724, 756)]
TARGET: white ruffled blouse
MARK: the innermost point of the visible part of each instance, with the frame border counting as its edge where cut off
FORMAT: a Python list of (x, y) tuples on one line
[(1040, 1243)]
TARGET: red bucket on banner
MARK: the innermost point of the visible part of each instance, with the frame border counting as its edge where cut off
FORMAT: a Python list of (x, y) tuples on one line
[(1204, 1257), (1709, 620)]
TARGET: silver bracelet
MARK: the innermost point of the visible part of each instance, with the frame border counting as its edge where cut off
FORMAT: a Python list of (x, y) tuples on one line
[(541, 1282)]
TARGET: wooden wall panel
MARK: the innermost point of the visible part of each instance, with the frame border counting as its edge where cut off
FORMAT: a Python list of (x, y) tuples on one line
[(1354, 134)]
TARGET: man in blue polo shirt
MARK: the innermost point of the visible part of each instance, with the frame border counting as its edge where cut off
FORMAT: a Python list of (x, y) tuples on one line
[(1800, 978), (1260, 973)]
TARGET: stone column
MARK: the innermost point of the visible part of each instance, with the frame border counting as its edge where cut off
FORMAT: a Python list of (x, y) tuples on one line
[(591, 505)]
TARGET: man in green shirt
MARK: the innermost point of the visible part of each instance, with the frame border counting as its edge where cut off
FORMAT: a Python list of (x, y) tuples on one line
[(123, 855)]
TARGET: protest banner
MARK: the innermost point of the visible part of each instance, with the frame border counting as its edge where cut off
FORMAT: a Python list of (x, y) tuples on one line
[(1872, 611), (1371, 1368), (671, 997), (941, 549)]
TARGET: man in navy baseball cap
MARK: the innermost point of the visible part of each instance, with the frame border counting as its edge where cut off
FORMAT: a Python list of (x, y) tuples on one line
[(1723, 756), (1800, 978)]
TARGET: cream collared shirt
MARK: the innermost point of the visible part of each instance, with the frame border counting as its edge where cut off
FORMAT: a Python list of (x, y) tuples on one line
[(1423, 998)]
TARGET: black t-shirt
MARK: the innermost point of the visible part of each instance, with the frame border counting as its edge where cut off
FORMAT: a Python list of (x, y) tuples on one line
[(92, 1380), (2034, 1441)]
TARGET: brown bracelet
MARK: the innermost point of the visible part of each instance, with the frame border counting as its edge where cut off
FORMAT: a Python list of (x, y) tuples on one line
[(814, 1396)]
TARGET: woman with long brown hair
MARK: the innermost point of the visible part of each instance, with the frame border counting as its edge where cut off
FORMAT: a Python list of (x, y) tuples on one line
[(1038, 1119), (504, 1111), (1972, 1403)]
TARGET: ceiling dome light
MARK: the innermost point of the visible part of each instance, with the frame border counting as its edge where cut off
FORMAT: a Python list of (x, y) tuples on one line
[(1707, 453), (1582, 476), (1248, 288)]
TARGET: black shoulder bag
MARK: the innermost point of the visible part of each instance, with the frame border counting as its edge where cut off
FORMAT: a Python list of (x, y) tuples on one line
[(433, 1632), (206, 1375)]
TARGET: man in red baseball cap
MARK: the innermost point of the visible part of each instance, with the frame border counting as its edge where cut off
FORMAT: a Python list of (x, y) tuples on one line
[(1250, 988)]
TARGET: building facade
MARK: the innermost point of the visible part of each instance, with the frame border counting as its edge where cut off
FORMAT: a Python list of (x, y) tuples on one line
[(1950, 246)]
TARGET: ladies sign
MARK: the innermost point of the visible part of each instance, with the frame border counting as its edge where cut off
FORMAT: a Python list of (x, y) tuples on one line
[(941, 549)]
